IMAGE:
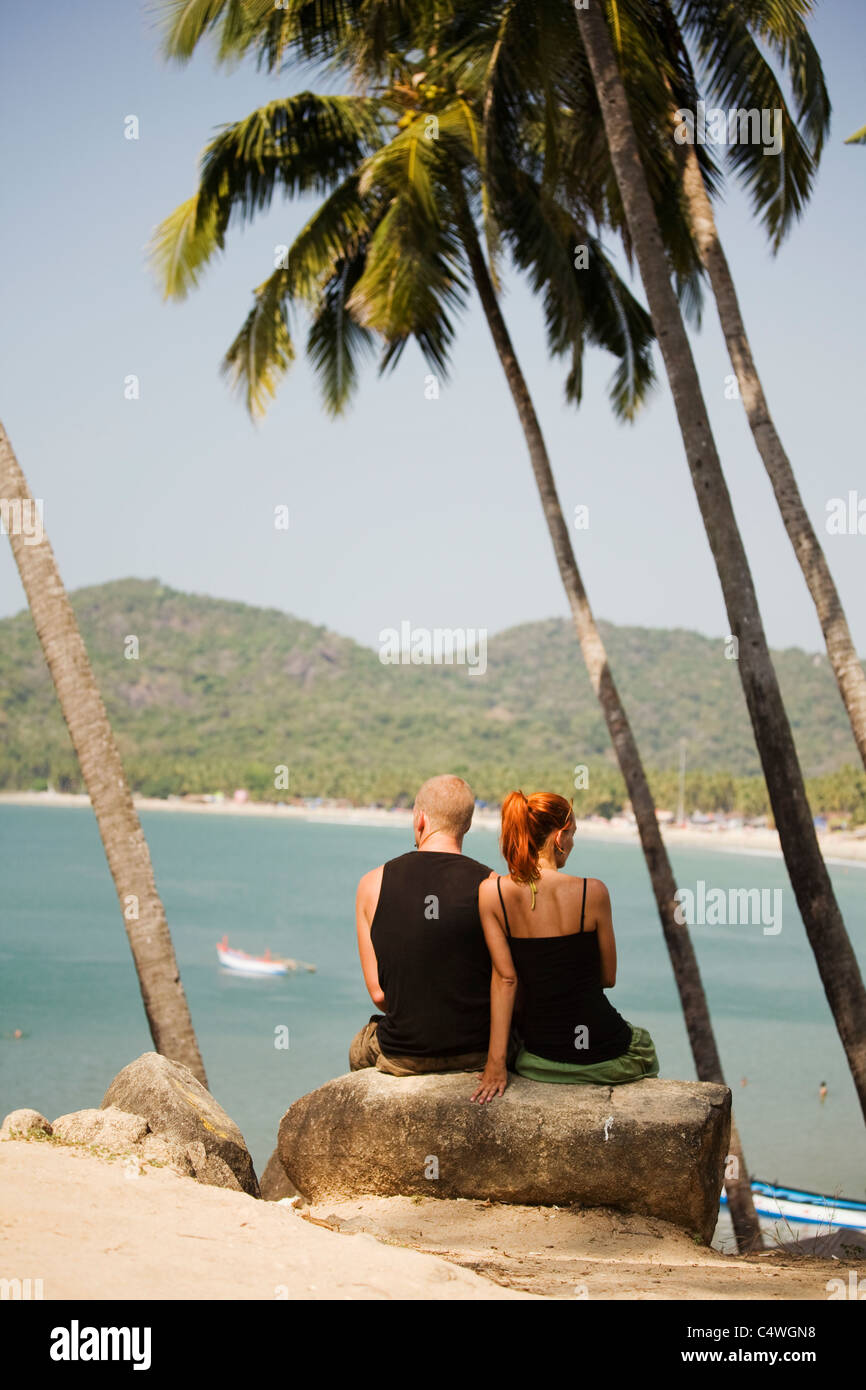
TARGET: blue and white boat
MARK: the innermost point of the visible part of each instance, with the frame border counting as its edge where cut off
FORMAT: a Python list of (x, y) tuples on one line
[(803, 1208), (243, 964)]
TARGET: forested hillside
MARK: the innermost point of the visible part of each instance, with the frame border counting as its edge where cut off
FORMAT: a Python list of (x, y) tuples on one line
[(220, 694)]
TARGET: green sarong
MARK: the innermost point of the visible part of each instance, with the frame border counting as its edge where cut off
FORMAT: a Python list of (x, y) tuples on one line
[(639, 1061)]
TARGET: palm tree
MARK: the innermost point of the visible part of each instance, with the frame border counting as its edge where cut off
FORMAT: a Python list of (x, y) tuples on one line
[(738, 73), (122, 836), (385, 254), (837, 963), (537, 45)]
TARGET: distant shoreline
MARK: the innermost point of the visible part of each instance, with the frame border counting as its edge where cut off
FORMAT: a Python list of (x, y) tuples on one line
[(836, 847)]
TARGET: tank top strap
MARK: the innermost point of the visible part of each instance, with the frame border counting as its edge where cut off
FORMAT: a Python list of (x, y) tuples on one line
[(583, 905), (502, 904)]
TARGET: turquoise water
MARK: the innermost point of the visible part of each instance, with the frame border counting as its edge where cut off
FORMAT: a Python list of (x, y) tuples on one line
[(67, 979)]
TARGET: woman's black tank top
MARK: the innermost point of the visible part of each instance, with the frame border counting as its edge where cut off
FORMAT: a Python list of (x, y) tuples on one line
[(567, 1017), (433, 962)]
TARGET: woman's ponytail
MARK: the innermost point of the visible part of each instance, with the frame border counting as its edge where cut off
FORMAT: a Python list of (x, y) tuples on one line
[(526, 824), (516, 842)]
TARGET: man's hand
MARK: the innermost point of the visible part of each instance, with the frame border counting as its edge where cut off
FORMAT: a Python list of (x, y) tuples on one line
[(491, 1083)]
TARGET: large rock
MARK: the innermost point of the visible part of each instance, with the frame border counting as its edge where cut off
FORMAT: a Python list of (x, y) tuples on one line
[(179, 1109), (651, 1146)]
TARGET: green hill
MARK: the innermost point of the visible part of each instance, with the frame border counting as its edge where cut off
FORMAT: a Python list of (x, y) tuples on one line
[(222, 693)]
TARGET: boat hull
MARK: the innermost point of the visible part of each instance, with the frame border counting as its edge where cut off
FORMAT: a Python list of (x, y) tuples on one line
[(803, 1208), (249, 965)]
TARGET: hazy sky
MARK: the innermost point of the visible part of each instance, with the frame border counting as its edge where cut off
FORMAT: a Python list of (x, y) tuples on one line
[(407, 508)]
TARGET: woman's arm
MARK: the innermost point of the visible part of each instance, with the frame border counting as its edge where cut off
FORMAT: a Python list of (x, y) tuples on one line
[(503, 987), (599, 905)]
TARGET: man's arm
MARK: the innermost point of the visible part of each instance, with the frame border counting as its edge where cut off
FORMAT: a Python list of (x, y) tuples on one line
[(366, 899)]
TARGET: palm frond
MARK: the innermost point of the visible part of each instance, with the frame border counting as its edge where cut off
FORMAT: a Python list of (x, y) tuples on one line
[(405, 165), (333, 234), (186, 22), (412, 281), (583, 298), (263, 350), (356, 35), (782, 25), (336, 340), (740, 78), (182, 246), (300, 144)]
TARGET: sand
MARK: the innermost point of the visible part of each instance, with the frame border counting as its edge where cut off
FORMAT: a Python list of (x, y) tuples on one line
[(93, 1227), (78, 1222), (595, 1253)]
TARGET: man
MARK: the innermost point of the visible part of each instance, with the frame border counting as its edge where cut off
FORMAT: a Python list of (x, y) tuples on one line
[(422, 949)]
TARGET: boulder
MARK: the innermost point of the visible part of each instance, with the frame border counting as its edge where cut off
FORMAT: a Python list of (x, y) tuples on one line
[(111, 1128), (178, 1109), (19, 1123), (209, 1168), (155, 1148), (652, 1146), (120, 1133), (274, 1183)]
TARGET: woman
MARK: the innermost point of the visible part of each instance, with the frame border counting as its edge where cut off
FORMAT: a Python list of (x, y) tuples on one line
[(552, 934)]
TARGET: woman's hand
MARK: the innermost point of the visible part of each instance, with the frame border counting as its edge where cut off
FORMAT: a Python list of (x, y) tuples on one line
[(491, 1083)]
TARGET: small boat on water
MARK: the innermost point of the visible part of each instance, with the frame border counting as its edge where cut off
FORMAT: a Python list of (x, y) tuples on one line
[(241, 963), (806, 1208)]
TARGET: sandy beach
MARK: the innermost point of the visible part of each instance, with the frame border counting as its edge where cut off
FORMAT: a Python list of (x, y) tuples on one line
[(92, 1227), (86, 1228), (837, 847)]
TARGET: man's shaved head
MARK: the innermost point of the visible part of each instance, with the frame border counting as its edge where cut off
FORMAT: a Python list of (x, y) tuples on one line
[(447, 804)]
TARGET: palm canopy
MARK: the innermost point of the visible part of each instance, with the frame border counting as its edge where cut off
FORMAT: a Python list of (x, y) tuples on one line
[(519, 132), (722, 51), (383, 258), (672, 53), (735, 43)]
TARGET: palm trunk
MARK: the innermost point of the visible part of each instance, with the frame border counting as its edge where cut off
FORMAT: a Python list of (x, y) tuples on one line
[(837, 963), (677, 939), (847, 668), (125, 846)]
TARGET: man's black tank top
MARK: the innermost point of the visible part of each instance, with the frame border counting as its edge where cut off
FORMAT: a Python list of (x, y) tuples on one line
[(434, 966), (567, 1016)]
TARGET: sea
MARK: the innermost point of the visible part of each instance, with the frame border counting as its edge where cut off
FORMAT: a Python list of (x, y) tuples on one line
[(68, 984)]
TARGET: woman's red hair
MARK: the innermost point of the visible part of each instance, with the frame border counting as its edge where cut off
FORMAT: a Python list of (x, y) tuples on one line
[(526, 823)]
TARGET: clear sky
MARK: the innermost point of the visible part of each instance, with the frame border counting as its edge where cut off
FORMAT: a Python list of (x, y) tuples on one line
[(406, 508)]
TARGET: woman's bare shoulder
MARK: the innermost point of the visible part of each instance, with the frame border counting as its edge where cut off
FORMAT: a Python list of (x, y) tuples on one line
[(596, 890), (578, 880)]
